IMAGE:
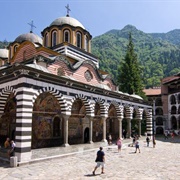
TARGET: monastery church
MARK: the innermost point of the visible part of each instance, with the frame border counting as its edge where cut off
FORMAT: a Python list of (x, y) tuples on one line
[(53, 93)]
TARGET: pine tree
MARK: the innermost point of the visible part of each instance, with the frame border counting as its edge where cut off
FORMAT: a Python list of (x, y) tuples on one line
[(129, 78)]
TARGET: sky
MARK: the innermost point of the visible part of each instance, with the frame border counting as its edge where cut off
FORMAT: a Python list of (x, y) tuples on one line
[(97, 16)]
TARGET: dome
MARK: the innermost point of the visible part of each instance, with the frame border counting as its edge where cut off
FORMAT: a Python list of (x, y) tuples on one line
[(3, 53), (136, 96), (67, 20), (29, 37)]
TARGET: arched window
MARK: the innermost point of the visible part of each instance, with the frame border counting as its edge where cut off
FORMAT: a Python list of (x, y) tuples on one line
[(66, 36), (78, 39), (54, 38), (15, 48), (179, 98), (46, 40), (173, 110), (159, 121), (86, 43), (173, 99), (158, 102), (24, 55), (159, 111)]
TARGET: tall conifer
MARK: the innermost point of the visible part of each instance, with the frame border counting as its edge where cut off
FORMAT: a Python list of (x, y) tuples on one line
[(129, 78)]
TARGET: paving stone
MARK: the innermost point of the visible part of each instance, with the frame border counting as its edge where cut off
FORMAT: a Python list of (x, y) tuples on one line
[(157, 163)]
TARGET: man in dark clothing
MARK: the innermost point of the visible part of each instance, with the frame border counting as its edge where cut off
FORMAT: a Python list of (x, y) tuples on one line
[(147, 140), (100, 160)]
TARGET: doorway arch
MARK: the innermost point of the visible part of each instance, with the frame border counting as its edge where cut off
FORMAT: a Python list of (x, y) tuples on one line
[(86, 135)]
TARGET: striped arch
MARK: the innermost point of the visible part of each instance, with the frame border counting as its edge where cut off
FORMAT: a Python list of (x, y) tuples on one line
[(103, 112), (129, 112), (56, 93), (87, 104), (118, 109), (149, 122), (139, 113), (3, 97)]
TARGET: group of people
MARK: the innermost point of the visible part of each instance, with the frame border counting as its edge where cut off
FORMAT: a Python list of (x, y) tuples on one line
[(169, 134), (100, 159), (10, 146)]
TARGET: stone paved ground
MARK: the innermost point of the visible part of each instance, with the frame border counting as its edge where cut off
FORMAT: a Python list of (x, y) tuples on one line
[(160, 163)]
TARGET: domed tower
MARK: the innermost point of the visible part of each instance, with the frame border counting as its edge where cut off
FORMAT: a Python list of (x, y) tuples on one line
[(34, 38), (68, 36), (3, 57)]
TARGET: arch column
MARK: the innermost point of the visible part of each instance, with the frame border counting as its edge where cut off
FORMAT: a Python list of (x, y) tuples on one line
[(177, 123), (120, 126), (139, 127), (90, 129), (66, 117), (23, 131), (104, 129), (129, 128), (149, 123)]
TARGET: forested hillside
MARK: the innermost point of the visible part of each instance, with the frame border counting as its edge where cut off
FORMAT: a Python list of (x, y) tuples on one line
[(158, 54)]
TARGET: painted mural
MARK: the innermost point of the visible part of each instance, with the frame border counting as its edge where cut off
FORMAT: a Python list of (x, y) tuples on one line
[(97, 129), (8, 119), (46, 115), (75, 130)]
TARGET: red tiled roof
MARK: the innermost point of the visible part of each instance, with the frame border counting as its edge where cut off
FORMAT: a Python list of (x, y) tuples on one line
[(151, 92), (169, 79)]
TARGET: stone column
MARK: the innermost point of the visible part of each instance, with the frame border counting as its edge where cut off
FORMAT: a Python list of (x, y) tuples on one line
[(104, 129), (23, 130), (139, 127), (66, 117), (120, 127), (129, 128), (177, 123), (90, 129)]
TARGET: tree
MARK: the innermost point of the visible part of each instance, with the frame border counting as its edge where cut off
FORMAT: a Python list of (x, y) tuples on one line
[(129, 72)]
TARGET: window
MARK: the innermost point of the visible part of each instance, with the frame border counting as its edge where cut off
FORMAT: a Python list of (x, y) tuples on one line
[(15, 48), (66, 36), (86, 43), (24, 55), (46, 40), (78, 39), (54, 38)]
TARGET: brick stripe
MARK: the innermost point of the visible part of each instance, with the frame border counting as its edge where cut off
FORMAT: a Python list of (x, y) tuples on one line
[(3, 97)]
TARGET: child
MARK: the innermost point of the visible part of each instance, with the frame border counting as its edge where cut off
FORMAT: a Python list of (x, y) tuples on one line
[(119, 144), (137, 146)]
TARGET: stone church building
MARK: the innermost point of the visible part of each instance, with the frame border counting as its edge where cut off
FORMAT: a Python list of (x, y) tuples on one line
[(53, 93)]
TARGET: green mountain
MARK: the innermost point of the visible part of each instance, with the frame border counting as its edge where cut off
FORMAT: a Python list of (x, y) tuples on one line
[(158, 53)]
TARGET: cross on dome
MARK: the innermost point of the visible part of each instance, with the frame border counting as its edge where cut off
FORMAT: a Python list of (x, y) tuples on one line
[(68, 9), (32, 26)]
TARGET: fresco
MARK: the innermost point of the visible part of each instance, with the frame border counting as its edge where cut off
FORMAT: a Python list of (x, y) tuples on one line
[(8, 117), (45, 109)]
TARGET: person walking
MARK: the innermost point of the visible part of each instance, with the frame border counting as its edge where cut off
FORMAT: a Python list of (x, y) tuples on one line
[(119, 144), (154, 142), (165, 135), (109, 139), (147, 140), (137, 146), (100, 160)]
